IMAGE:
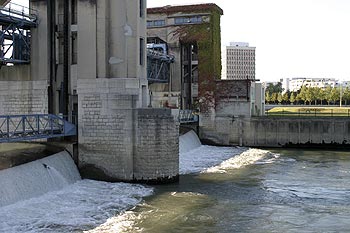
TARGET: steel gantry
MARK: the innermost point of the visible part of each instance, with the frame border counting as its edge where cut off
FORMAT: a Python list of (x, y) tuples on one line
[(158, 66), (15, 24)]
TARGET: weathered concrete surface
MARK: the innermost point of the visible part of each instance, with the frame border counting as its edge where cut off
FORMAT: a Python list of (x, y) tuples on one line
[(23, 97), (117, 141), (280, 132)]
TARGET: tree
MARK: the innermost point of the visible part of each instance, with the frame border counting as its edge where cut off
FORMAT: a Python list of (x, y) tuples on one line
[(274, 97), (279, 97), (328, 94), (314, 94), (305, 94), (335, 94), (346, 95), (321, 95), (267, 97), (285, 97), (271, 88), (292, 98)]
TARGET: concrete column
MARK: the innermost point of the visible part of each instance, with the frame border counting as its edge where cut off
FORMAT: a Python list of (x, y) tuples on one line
[(87, 35)]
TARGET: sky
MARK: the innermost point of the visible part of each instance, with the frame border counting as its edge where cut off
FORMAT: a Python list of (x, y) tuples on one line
[(293, 38)]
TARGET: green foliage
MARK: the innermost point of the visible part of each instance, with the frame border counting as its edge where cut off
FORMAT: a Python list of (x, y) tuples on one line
[(285, 97), (271, 88), (292, 98), (208, 38), (279, 97)]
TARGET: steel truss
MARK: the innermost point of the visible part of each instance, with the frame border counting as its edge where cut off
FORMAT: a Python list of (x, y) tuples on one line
[(15, 24), (158, 66), (31, 127)]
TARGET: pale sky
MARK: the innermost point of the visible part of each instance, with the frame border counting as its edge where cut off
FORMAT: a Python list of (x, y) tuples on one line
[(293, 38)]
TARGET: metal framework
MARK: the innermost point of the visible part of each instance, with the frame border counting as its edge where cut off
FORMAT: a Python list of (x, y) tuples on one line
[(15, 24), (31, 127), (158, 66), (187, 116)]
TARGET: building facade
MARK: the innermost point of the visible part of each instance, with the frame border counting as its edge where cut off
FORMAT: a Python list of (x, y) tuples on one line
[(191, 34), (88, 63), (239, 61), (295, 84)]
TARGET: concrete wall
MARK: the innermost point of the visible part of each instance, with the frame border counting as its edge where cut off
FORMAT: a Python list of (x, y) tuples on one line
[(285, 131), (23, 97), (279, 132), (20, 95)]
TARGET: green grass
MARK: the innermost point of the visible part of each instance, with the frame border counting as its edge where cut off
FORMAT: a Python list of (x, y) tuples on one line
[(310, 111)]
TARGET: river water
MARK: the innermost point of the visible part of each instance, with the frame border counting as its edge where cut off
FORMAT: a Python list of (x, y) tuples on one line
[(283, 191), (220, 190)]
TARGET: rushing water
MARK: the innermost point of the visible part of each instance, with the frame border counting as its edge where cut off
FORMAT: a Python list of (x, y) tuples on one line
[(283, 191), (228, 190)]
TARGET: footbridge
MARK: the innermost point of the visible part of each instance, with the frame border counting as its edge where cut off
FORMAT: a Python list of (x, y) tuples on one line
[(14, 128)]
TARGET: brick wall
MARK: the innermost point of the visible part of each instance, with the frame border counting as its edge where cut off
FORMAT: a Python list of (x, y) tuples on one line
[(157, 145), (118, 141)]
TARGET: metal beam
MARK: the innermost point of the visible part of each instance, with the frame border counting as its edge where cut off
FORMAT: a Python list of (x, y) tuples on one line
[(4, 2)]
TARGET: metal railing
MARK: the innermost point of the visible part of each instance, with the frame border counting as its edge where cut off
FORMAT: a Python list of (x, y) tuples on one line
[(19, 12), (35, 126), (187, 116)]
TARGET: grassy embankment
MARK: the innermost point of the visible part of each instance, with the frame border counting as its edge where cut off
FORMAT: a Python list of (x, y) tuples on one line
[(311, 111)]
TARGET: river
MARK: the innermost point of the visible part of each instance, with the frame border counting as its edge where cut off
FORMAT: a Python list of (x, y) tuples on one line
[(251, 191), (284, 191)]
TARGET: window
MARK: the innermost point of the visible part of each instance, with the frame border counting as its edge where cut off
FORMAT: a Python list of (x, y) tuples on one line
[(188, 20), (155, 23), (142, 51), (142, 8)]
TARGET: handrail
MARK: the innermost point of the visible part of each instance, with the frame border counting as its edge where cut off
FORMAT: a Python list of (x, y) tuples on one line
[(33, 126), (20, 12), (187, 116)]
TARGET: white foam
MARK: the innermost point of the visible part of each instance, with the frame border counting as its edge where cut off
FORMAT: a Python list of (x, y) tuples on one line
[(250, 156), (82, 206), (188, 142), (37, 178)]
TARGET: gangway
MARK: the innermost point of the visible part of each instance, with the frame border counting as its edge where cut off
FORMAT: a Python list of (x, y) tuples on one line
[(14, 128), (15, 24)]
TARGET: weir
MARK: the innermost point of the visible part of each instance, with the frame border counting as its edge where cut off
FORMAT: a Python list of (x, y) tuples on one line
[(37, 178)]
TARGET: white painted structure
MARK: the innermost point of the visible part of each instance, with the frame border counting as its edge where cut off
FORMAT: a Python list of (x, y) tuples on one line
[(295, 84)]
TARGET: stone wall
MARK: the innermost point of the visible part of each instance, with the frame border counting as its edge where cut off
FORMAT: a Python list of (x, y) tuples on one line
[(157, 145), (117, 141), (23, 97)]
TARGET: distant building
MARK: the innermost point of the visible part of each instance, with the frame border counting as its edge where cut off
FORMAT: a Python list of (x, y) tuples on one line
[(239, 61), (295, 84)]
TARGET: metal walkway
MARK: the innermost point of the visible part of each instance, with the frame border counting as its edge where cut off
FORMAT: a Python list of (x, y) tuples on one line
[(14, 128), (187, 116), (158, 66), (15, 24)]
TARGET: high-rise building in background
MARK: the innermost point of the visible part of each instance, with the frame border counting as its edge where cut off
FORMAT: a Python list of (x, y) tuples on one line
[(239, 61)]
